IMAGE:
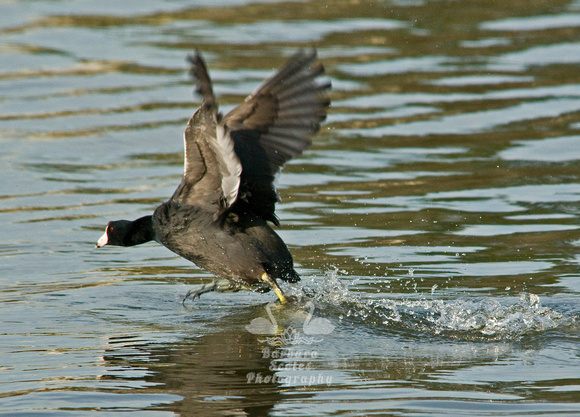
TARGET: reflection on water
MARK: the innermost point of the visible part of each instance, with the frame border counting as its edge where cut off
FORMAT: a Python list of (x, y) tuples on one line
[(434, 220)]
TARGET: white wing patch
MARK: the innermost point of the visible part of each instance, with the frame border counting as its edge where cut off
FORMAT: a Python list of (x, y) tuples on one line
[(230, 166), (185, 164)]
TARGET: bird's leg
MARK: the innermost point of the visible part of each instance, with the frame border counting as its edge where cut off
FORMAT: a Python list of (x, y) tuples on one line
[(272, 283), (196, 292), (219, 286)]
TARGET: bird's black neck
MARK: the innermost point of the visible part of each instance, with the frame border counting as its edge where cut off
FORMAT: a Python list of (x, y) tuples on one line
[(138, 231)]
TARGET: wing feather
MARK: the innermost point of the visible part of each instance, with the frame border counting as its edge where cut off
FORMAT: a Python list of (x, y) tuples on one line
[(231, 163), (212, 169), (275, 124)]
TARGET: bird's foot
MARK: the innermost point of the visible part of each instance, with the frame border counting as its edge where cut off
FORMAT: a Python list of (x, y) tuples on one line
[(220, 286), (272, 283)]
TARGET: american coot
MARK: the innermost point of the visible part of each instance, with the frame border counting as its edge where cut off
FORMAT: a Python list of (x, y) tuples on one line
[(218, 216)]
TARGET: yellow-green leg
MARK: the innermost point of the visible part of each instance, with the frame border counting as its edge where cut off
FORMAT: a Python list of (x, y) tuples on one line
[(222, 285), (272, 283)]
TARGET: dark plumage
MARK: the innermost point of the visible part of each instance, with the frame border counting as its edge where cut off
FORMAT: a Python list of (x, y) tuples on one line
[(218, 216)]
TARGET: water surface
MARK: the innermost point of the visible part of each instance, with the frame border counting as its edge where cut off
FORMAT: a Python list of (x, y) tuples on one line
[(434, 220)]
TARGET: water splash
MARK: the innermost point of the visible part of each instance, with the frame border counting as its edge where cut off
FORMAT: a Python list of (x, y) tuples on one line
[(467, 318)]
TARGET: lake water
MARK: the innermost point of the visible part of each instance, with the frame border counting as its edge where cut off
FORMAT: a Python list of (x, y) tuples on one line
[(435, 219)]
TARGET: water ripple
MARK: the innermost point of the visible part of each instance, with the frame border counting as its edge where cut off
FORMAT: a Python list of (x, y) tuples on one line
[(466, 318)]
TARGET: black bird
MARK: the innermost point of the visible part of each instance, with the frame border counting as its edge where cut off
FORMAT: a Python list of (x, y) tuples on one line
[(218, 216)]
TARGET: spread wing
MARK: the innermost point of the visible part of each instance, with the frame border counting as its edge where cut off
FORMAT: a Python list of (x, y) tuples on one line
[(273, 125), (231, 163), (212, 169)]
